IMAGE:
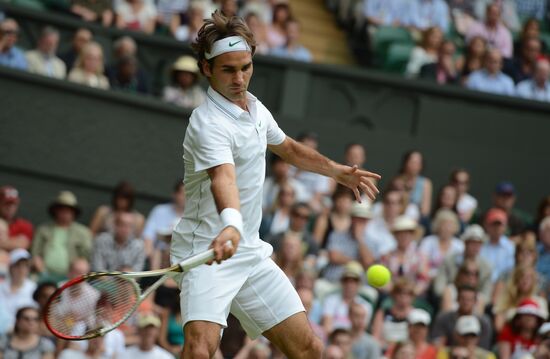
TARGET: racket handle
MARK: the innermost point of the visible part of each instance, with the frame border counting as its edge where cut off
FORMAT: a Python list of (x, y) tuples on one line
[(199, 258)]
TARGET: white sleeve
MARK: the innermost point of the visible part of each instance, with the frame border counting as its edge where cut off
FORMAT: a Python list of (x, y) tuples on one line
[(210, 145), (275, 136)]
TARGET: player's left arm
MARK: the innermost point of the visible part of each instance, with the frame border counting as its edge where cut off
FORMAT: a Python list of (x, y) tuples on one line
[(309, 159)]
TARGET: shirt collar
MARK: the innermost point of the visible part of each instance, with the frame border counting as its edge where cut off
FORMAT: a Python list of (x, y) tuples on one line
[(228, 107)]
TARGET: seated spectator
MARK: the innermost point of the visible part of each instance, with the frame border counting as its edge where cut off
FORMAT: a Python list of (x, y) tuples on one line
[(188, 33), (276, 31), (499, 250), (491, 79), (292, 49), (41, 295), (467, 204), (405, 260), (442, 243), (126, 77), (184, 91), (443, 330), (447, 198), (123, 48), (364, 346), (122, 201), (468, 275), (378, 236), (473, 59), (290, 258), (507, 10), (88, 67), (519, 335), (543, 248), (473, 238), (342, 339), (522, 285), (171, 14), (531, 30), (100, 11), (11, 55), (276, 219), (381, 12), (259, 29), (355, 154), (493, 31), (20, 230), (337, 218), (537, 88), (405, 206), (426, 52), (16, 292), (149, 329), (444, 71), (419, 322), (81, 37), (468, 331), (390, 322), (423, 14), (95, 348), (404, 350), (43, 60), (137, 15), (333, 352), (58, 243), (120, 249), (280, 174), (344, 247), (229, 8), (24, 341), (418, 187), (523, 66), (462, 13), (308, 300), (505, 197), (531, 9), (263, 9), (336, 306)]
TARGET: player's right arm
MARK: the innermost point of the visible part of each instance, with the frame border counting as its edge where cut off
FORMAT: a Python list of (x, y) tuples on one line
[(226, 195)]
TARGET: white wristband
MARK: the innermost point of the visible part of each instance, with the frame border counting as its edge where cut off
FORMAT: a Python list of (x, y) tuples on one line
[(232, 217)]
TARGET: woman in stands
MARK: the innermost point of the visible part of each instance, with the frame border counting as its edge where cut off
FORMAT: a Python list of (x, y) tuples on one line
[(337, 219), (466, 204), (276, 32), (426, 52), (447, 198), (138, 15), (88, 67), (277, 219), (290, 256), (473, 61), (259, 29), (418, 186), (468, 275)]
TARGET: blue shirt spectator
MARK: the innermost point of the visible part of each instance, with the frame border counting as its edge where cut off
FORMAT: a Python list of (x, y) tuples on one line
[(543, 248), (292, 49), (11, 55), (499, 250), (380, 12), (491, 79), (423, 14), (537, 88), (531, 9)]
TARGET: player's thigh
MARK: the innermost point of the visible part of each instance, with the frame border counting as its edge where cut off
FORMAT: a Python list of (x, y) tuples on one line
[(201, 335)]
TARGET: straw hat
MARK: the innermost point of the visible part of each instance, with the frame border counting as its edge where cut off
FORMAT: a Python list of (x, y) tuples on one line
[(65, 199)]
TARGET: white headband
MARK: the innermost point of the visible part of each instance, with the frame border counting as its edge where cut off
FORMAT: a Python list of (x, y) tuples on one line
[(227, 44)]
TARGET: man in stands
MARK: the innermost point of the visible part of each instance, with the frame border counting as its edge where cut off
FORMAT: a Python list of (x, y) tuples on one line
[(523, 66), (499, 250), (81, 37), (293, 49), (493, 31), (491, 78), (20, 230), (505, 198), (537, 88), (149, 330), (11, 55), (43, 60)]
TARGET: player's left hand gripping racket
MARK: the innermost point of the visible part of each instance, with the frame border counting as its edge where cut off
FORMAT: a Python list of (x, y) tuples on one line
[(98, 302)]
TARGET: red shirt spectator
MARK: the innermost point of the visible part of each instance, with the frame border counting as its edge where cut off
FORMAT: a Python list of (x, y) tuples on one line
[(20, 230)]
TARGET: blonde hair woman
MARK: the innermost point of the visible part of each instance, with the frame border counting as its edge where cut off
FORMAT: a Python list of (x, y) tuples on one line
[(88, 68)]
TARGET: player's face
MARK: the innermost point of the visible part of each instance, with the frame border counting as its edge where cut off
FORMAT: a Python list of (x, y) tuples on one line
[(230, 75)]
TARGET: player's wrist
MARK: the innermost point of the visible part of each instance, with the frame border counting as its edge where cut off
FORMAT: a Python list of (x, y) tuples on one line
[(232, 217)]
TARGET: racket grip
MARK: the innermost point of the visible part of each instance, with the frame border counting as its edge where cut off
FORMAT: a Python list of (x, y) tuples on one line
[(199, 258)]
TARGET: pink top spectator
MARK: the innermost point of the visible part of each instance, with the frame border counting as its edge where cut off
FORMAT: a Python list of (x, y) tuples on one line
[(499, 37)]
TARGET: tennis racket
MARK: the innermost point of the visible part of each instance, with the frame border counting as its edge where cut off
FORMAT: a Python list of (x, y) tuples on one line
[(92, 305)]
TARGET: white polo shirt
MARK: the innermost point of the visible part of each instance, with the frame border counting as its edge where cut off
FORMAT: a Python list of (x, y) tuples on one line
[(220, 132)]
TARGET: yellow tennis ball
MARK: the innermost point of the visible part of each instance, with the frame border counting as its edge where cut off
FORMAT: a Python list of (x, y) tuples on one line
[(378, 275)]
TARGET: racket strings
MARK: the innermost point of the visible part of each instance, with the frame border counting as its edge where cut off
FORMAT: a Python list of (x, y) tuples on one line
[(89, 306)]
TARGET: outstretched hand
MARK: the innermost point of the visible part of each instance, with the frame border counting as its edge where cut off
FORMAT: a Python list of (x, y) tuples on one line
[(358, 181)]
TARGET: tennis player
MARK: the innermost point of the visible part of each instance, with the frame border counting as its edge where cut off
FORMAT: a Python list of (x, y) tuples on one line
[(224, 154)]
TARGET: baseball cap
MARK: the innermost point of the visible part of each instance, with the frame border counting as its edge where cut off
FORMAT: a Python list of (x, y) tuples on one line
[(530, 306), (474, 232), (496, 215), (419, 316), (19, 254), (353, 270), (404, 223), (505, 188), (468, 324), (147, 320), (9, 194), (361, 210)]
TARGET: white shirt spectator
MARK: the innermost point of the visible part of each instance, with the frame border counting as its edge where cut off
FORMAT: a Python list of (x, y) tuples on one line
[(13, 301), (383, 10), (271, 189), (313, 182), (429, 247), (411, 211), (162, 217), (379, 238), (136, 21), (114, 345), (466, 203), (156, 353), (419, 57), (499, 255), (529, 89), (335, 308), (423, 14), (500, 83)]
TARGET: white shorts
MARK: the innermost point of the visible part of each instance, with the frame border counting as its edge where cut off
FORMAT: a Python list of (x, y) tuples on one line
[(249, 285)]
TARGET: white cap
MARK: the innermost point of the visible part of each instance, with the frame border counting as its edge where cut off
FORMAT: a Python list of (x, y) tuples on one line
[(468, 324), (361, 210), (404, 223), (19, 254), (544, 329), (419, 316), (474, 232)]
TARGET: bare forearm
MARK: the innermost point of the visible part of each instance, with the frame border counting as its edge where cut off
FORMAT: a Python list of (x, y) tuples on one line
[(224, 187)]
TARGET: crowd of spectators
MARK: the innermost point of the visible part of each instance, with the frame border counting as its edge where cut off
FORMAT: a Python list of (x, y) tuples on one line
[(467, 281)]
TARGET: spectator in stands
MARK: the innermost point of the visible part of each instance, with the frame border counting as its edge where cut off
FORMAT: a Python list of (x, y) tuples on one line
[(519, 335), (467, 204), (491, 79), (418, 186), (336, 306), (531, 30), (337, 218), (443, 330), (474, 58), (16, 292), (537, 88), (137, 15), (333, 352), (122, 201), (533, 9), (378, 236), (185, 90), (229, 8), (120, 249), (425, 52), (390, 321), (505, 198), (81, 37), (404, 350), (473, 238), (493, 31), (149, 328), (171, 14), (462, 13), (423, 14), (126, 77), (364, 346), (312, 306), (523, 66), (442, 243), (88, 67), (280, 174), (543, 248), (499, 250), (342, 338), (188, 32), (25, 342), (444, 71), (344, 247), (95, 348), (418, 324), (355, 154), (507, 9), (259, 29), (405, 206), (468, 275), (58, 243), (20, 230), (381, 12), (405, 260), (468, 331), (43, 60), (447, 198), (11, 55), (163, 216), (290, 257), (100, 11), (41, 294), (292, 49), (276, 31)]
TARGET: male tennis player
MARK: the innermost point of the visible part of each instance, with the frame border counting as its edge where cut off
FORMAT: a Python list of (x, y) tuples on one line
[(224, 155)]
